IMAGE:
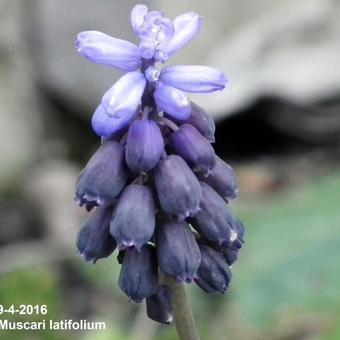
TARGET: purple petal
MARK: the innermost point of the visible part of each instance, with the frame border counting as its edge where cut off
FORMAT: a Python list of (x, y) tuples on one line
[(202, 121), (178, 189), (186, 26), (159, 306), (138, 14), (146, 48), (138, 277), (188, 143), (105, 125), (177, 251), (152, 74), (157, 27), (94, 240), (102, 49), (172, 101), (152, 27), (222, 179), (160, 56), (214, 220), (124, 96), (214, 274), (103, 177), (134, 218), (193, 78), (166, 30), (144, 145)]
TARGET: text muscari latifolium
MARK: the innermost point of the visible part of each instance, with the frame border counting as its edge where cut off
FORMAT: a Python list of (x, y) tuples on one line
[(67, 324)]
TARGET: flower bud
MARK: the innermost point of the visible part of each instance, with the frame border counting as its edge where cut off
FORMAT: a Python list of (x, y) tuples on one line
[(230, 254), (193, 78), (102, 49), (230, 251), (177, 251), (202, 121), (103, 177), (159, 305), (119, 104), (94, 240), (146, 48), (138, 14), (187, 26), (178, 189), (214, 274), (120, 256), (144, 145), (107, 126), (222, 179), (214, 219), (173, 101), (237, 233), (152, 27), (138, 277), (134, 217), (188, 143)]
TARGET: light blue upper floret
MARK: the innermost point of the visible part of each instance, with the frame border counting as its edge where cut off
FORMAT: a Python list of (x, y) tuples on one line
[(160, 38)]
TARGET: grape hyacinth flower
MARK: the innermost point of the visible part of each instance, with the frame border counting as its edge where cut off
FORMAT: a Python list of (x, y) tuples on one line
[(159, 193)]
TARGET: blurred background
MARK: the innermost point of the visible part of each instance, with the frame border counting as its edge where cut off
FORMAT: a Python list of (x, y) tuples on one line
[(278, 125)]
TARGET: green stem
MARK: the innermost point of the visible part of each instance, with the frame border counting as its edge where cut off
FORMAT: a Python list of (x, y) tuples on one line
[(184, 321)]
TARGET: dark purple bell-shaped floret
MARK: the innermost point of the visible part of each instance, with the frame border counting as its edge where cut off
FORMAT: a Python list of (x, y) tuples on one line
[(230, 251), (104, 176), (214, 219), (214, 274), (230, 254), (203, 122), (177, 251), (178, 189), (134, 217), (188, 143), (222, 179), (138, 277), (144, 145), (237, 233), (94, 240), (159, 305)]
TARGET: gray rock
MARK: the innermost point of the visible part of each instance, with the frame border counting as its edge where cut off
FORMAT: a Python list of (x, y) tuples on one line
[(61, 69), (283, 48), (20, 126)]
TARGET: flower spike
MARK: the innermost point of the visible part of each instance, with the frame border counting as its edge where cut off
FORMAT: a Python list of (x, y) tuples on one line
[(159, 192)]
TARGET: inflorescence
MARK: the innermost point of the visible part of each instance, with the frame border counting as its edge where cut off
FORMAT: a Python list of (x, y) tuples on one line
[(159, 191)]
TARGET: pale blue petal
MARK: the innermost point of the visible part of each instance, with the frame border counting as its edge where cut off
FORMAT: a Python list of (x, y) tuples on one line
[(105, 125), (187, 26), (172, 101), (125, 94), (103, 49), (119, 104), (160, 56), (193, 78), (146, 48), (162, 29), (138, 14)]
